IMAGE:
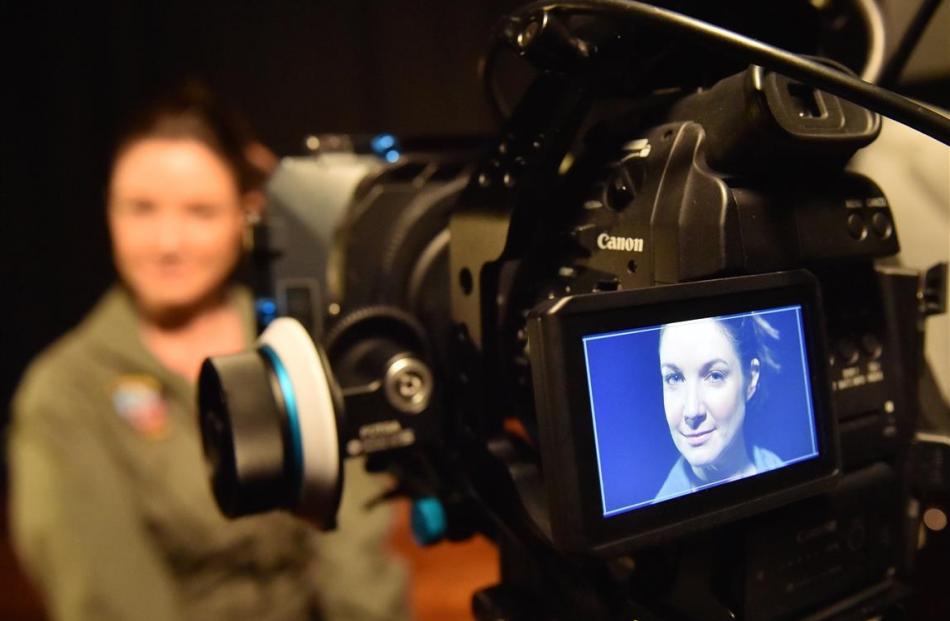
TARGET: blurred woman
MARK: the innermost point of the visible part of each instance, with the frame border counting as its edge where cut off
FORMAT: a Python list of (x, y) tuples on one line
[(111, 508)]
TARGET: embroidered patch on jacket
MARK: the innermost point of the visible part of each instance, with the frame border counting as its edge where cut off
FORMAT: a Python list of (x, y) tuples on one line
[(138, 401)]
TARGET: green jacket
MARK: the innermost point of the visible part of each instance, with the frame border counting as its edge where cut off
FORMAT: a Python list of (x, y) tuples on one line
[(113, 516)]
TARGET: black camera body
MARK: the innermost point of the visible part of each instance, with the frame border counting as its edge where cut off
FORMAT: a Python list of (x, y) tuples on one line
[(453, 296), (673, 204)]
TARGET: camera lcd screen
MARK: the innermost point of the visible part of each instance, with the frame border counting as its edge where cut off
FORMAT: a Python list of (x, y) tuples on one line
[(687, 406), (667, 409)]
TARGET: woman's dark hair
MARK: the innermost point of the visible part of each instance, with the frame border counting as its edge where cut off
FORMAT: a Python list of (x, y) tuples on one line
[(753, 337), (192, 111)]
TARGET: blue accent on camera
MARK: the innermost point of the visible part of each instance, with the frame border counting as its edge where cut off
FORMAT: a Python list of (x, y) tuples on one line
[(386, 147), (383, 142), (290, 405), (428, 520), (266, 309)]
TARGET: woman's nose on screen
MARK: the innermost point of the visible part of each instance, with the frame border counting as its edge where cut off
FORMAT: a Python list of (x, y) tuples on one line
[(694, 420), (694, 413)]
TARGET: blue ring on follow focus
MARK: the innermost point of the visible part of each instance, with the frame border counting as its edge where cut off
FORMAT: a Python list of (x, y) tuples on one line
[(290, 405)]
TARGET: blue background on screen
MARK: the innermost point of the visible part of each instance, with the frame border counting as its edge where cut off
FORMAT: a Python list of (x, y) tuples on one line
[(634, 445)]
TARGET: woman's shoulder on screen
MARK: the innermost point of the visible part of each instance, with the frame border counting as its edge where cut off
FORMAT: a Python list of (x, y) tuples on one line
[(764, 459)]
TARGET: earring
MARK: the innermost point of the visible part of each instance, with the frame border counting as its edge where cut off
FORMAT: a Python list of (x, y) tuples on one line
[(251, 220)]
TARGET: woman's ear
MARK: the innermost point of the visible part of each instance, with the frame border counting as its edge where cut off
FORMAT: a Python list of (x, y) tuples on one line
[(753, 383), (263, 161), (253, 203)]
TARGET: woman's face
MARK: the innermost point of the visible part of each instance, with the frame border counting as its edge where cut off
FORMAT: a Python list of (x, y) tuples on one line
[(176, 220), (704, 391)]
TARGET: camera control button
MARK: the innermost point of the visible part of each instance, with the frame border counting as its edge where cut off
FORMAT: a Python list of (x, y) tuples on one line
[(882, 226), (847, 353), (607, 284), (856, 227), (871, 346), (619, 192), (585, 236)]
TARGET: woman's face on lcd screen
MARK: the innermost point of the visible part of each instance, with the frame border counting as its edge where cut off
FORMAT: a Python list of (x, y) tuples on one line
[(704, 391), (176, 220)]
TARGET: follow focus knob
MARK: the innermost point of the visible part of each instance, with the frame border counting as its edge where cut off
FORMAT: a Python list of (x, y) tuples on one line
[(269, 425)]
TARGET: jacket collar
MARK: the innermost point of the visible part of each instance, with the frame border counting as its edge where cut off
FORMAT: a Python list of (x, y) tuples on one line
[(113, 329)]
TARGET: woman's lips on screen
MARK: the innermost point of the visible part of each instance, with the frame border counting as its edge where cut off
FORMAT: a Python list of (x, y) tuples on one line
[(698, 439)]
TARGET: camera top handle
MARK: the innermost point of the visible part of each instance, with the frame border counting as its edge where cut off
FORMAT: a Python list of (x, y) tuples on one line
[(525, 27)]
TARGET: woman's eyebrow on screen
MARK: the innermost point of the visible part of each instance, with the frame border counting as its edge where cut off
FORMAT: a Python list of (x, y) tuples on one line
[(703, 369)]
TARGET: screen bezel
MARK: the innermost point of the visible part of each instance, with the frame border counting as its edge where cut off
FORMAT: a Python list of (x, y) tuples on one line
[(566, 425)]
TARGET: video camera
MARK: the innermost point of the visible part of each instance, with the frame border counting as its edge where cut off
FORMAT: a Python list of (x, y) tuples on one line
[(639, 339)]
